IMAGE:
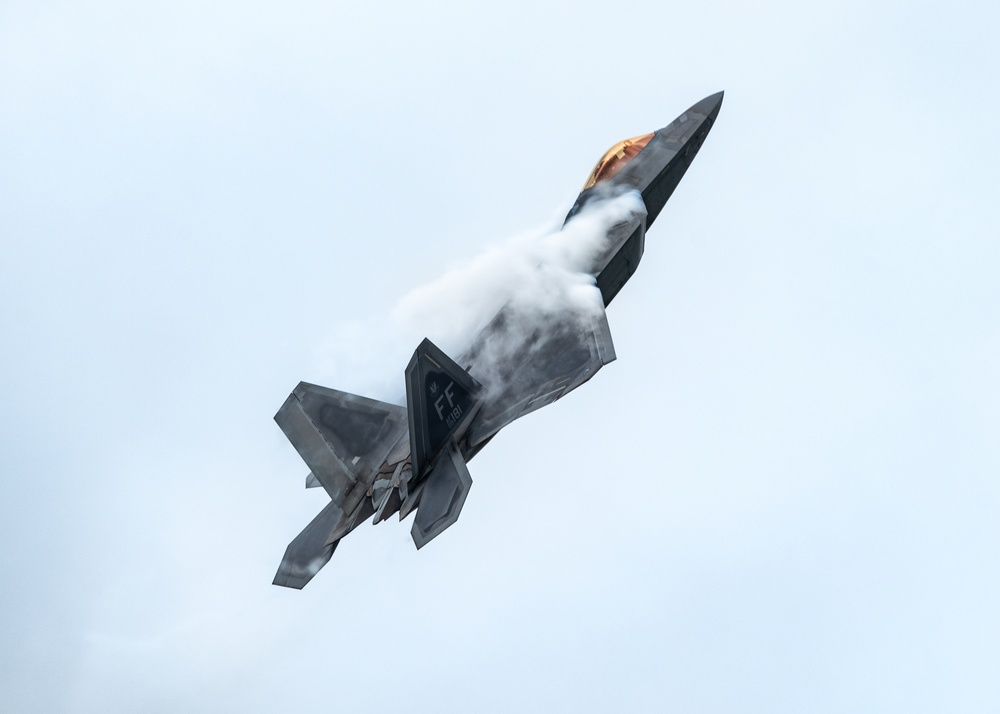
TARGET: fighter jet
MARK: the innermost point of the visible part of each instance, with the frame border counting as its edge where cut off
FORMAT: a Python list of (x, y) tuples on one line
[(376, 459)]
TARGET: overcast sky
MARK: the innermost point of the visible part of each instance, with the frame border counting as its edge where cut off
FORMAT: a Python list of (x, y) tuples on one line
[(784, 495)]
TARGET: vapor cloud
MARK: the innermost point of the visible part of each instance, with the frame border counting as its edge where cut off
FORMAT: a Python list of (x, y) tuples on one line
[(540, 273), (542, 276)]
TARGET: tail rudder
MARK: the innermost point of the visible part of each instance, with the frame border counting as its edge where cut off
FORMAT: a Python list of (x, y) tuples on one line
[(442, 399)]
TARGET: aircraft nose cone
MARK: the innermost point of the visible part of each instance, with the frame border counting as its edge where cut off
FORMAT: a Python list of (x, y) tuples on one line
[(709, 106)]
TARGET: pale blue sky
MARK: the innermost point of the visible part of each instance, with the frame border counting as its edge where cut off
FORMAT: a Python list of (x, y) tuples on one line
[(783, 496)]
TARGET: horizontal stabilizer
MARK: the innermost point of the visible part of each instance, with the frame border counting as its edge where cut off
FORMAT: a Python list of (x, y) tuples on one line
[(310, 551), (342, 437), (442, 497)]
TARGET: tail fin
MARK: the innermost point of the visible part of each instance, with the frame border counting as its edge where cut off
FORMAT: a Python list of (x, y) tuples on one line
[(442, 497), (441, 401)]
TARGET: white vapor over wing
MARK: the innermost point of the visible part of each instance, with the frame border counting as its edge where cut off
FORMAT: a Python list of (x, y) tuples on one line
[(542, 277)]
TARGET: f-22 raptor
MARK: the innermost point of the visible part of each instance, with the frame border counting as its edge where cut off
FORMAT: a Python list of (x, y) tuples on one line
[(375, 459)]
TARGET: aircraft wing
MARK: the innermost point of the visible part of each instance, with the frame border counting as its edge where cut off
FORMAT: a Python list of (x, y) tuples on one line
[(551, 362), (526, 360)]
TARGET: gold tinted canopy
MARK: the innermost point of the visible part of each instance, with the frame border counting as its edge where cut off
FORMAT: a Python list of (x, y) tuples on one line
[(615, 158)]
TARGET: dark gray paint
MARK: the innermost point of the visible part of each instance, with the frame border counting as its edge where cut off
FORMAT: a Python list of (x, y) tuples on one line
[(441, 399), (443, 496)]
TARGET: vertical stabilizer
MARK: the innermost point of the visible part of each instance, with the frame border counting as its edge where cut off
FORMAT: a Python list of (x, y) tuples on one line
[(442, 498), (441, 400)]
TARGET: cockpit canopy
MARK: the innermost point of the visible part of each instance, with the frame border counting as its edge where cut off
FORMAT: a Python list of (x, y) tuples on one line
[(615, 158)]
